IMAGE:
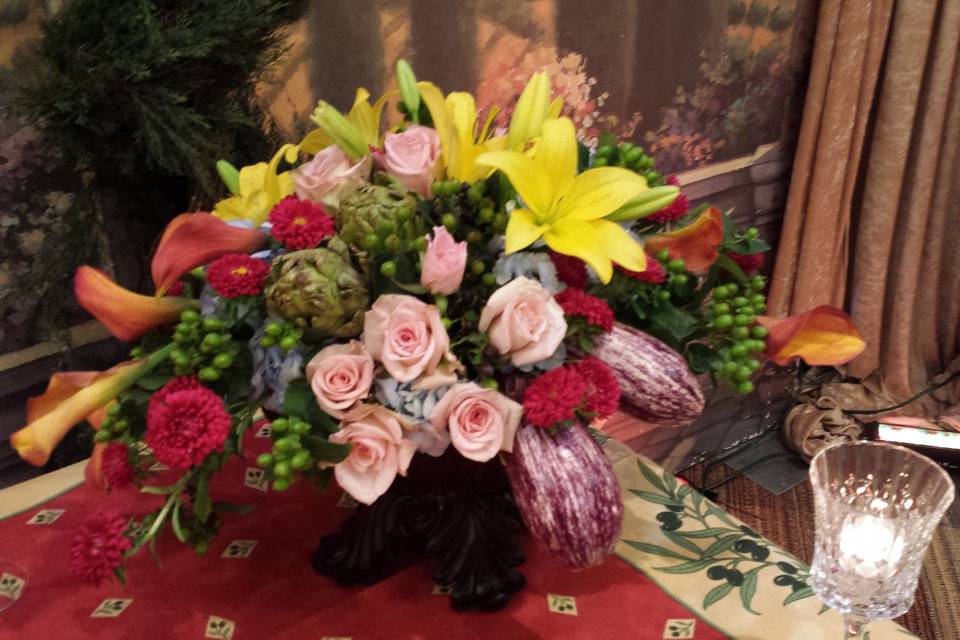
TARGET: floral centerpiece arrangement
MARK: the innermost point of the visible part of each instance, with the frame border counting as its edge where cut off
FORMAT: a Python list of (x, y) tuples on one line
[(443, 293)]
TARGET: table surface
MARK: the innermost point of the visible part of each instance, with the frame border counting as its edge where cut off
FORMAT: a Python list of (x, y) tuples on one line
[(255, 581)]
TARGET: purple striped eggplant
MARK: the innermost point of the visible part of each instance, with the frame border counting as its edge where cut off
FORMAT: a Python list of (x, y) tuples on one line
[(656, 385), (567, 493)]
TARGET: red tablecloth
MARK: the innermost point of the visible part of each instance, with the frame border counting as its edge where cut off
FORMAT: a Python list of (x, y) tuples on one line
[(273, 592)]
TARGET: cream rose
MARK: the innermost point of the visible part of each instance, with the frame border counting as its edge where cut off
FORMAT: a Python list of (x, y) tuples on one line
[(379, 451), (481, 421), (406, 335), (411, 157), (522, 320), (327, 174), (340, 376), (444, 262)]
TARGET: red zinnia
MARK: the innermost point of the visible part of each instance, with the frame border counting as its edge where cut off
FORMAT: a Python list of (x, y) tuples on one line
[(300, 224), (185, 422), (98, 547), (236, 275), (746, 262), (673, 211), (553, 397), (571, 271), (577, 302), (117, 470), (175, 289), (603, 390), (654, 273)]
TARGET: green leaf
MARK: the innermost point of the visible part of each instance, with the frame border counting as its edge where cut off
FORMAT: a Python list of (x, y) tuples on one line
[(657, 550), (298, 399), (680, 541), (175, 523), (722, 515), (806, 592), (651, 477), (720, 545), (656, 498), (152, 382), (728, 265), (749, 587), (321, 479), (599, 436), (684, 491), (674, 321), (701, 357), (712, 532), (415, 289), (729, 230), (717, 594), (325, 451), (230, 507), (606, 139), (687, 567), (753, 246), (201, 500)]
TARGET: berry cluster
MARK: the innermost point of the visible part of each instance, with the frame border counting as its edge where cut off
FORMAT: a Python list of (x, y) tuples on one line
[(204, 347), (398, 235), (629, 156), (734, 323), (114, 425), (283, 334), (289, 455)]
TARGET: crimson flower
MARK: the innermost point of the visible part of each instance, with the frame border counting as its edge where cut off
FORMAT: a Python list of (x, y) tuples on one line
[(115, 463), (748, 263), (603, 390), (579, 303), (236, 275), (571, 271), (98, 547), (554, 397), (185, 422), (300, 224), (654, 273)]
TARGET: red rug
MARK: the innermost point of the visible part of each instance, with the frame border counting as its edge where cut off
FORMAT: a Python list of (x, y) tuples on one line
[(268, 590)]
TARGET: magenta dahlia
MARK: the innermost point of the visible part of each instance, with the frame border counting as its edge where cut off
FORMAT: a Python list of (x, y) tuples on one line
[(98, 547), (300, 224), (603, 390), (578, 303), (185, 422), (554, 397), (236, 275)]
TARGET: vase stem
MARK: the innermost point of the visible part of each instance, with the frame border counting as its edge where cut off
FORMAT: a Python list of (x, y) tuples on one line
[(854, 626)]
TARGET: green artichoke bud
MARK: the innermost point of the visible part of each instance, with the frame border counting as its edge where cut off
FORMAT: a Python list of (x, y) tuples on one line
[(362, 212), (320, 290)]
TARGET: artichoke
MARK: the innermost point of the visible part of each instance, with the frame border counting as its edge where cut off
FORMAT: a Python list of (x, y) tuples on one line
[(320, 290), (369, 210)]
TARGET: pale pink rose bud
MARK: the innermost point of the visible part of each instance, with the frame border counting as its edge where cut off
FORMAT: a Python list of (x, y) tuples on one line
[(411, 157), (340, 376), (481, 421), (406, 335), (522, 320), (443, 263), (328, 175)]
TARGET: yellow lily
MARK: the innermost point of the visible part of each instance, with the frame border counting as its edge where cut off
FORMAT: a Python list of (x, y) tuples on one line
[(455, 119), (355, 133), (260, 189), (566, 209), (532, 110)]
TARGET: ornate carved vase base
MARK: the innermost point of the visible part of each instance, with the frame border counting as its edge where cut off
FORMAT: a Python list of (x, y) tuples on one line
[(459, 512)]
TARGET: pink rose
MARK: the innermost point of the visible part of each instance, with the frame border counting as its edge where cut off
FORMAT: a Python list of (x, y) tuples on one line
[(443, 263), (522, 320), (481, 421), (406, 335), (379, 451), (324, 178), (411, 157), (340, 376)]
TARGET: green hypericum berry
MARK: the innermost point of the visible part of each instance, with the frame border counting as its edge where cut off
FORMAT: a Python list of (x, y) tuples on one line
[(212, 324), (212, 340), (120, 426), (600, 162), (676, 265), (486, 215), (279, 425), (743, 373), (489, 383), (404, 215), (420, 244), (758, 332), (448, 220), (371, 242), (266, 342), (300, 460), (101, 436), (386, 227), (137, 352), (273, 329), (664, 295), (223, 361), (653, 177), (681, 279), (758, 298), (389, 268), (474, 193), (756, 346), (663, 255), (287, 343), (300, 428), (281, 484), (437, 188), (489, 279), (474, 237), (739, 301), (208, 374), (393, 244), (740, 332), (190, 316), (283, 445), (760, 308), (720, 308), (745, 387), (753, 364), (723, 321), (182, 338), (633, 155), (113, 410), (447, 323), (751, 233), (757, 283), (730, 367), (604, 150), (738, 350), (500, 222), (477, 267), (626, 147), (264, 460), (746, 310), (720, 293)]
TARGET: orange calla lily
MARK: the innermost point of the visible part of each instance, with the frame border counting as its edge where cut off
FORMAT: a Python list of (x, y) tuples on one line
[(70, 398), (126, 314), (194, 239), (823, 335), (696, 244)]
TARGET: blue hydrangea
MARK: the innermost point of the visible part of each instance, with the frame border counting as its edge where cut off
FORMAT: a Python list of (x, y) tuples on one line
[(417, 407), (273, 371), (535, 265)]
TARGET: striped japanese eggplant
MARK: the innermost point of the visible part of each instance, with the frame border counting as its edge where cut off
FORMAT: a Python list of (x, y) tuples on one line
[(656, 385), (567, 493)]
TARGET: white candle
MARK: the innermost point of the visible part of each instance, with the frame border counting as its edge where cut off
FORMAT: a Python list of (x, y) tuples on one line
[(869, 546)]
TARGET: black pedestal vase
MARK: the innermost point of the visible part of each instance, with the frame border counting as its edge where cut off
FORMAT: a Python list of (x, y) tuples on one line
[(459, 513)]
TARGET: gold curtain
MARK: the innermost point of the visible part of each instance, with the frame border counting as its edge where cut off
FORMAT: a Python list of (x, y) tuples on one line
[(873, 217)]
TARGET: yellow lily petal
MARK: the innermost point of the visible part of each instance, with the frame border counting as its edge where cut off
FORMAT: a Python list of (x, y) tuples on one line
[(366, 118), (315, 141), (527, 177), (579, 238), (530, 111), (557, 154), (271, 182), (553, 111), (596, 193), (620, 245), (522, 230), (433, 98), (251, 178), (234, 208)]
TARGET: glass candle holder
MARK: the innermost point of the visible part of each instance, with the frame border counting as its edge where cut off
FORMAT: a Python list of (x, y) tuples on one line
[(877, 506)]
